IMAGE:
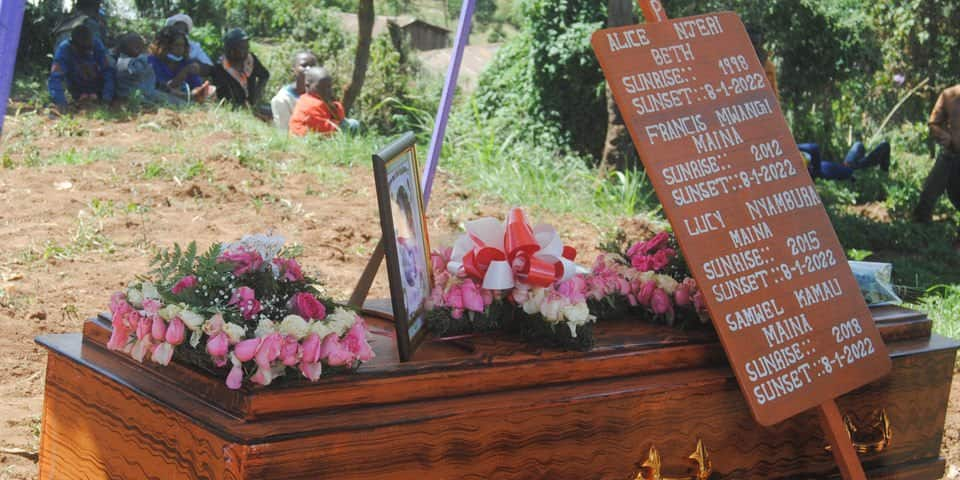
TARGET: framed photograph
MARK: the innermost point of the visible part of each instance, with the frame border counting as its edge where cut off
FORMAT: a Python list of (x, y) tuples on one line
[(407, 246)]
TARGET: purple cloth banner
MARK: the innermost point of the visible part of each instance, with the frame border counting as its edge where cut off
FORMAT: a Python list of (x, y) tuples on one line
[(446, 100), (11, 18)]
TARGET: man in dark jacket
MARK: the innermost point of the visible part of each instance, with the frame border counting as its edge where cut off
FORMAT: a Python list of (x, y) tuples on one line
[(239, 76)]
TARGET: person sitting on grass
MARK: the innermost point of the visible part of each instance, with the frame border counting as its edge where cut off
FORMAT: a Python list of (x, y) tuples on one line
[(317, 110), (82, 63), (135, 74), (176, 74), (239, 76), (184, 24), (285, 100), (856, 158)]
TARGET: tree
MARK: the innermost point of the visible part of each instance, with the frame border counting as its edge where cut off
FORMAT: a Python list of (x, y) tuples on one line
[(618, 150), (365, 18)]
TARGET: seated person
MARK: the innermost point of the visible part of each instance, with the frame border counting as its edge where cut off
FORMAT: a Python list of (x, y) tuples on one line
[(82, 63), (134, 72), (285, 100), (88, 13), (239, 76), (317, 110), (184, 24), (176, 74), (856, 158)]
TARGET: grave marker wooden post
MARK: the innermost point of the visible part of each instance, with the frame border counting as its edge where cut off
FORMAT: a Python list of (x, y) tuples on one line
[(719, 153)]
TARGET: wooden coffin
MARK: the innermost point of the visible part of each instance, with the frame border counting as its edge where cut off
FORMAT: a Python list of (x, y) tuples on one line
[(648, 402)]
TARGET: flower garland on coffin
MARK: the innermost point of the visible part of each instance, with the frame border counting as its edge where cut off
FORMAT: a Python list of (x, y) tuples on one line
[(514, 277), (642, 280), (246, 305)]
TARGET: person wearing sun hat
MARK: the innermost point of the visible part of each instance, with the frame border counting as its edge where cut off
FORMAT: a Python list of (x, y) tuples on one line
[(239, 76), (184, 24)]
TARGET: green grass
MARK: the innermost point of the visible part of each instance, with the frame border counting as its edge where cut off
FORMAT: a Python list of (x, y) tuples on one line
[(942, 305)]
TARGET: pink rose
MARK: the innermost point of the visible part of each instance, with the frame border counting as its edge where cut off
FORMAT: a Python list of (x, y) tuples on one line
[(289, 350), (646, 292), (269, 351), (235, 378), (247, 349), (334, 352), (682, 295), (218, 345), (660, 302), (243, 260), (356, 342), (151, 307), (472, 300), (175, 332), (245, 299), (289, 269), (310, 365), (122, 314), (699, 303), (158, 328), (307, 306), (143, 327), (263, 376), (184, 283)]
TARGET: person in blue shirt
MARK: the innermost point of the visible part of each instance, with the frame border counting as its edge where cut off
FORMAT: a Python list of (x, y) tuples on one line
[(176, 73), (81, 66), (135, 74), (857, 158)]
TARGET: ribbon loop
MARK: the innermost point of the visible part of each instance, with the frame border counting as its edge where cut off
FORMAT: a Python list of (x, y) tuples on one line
[(501, 255)]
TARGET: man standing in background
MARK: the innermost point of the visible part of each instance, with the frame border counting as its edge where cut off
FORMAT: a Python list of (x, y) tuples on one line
[(945, 174)]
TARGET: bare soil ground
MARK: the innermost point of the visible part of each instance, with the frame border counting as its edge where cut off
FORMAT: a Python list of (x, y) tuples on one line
[(70, 235)]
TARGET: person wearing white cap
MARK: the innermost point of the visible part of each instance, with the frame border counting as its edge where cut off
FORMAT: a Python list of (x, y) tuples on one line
[(184, 23)]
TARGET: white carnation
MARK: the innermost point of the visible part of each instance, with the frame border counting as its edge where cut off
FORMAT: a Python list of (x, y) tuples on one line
[(150, 291), (234, 332), (167, 313), (192, 320), (667, 283), (294, 325), (265, 327), (135, 297), (341, 320)]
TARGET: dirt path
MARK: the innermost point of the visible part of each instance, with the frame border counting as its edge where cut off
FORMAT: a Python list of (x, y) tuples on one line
[(70, 235)]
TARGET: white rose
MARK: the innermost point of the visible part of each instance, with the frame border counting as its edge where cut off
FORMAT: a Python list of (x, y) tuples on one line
[(645, 277), (265, 327), (294, 325), (135, 297), (551, 310), (577, 314), (534, 300), (193, 321), (167, 313), (234, 332), (150, 291), (667, 283)]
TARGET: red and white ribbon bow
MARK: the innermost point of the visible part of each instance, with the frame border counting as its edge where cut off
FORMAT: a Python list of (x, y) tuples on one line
[(502, 255)]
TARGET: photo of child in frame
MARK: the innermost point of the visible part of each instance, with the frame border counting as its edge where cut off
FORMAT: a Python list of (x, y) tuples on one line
[(409, 237)]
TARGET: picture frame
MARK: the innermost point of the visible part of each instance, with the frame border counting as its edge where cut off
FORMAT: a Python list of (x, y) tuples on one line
[(405, 238)]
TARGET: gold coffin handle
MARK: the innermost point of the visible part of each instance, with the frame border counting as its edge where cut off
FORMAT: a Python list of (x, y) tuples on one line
[(652, 467), (872, 438)]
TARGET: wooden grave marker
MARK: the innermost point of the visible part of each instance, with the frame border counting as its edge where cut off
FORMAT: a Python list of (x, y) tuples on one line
[(751, 226)]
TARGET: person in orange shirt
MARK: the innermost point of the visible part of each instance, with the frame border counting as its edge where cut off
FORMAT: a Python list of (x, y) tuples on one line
[(317, 110)]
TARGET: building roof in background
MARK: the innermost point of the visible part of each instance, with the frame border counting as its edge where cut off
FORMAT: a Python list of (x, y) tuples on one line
[(380, 23)]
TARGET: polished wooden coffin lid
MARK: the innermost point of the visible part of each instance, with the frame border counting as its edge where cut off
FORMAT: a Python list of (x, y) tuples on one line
[(447, 369)]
